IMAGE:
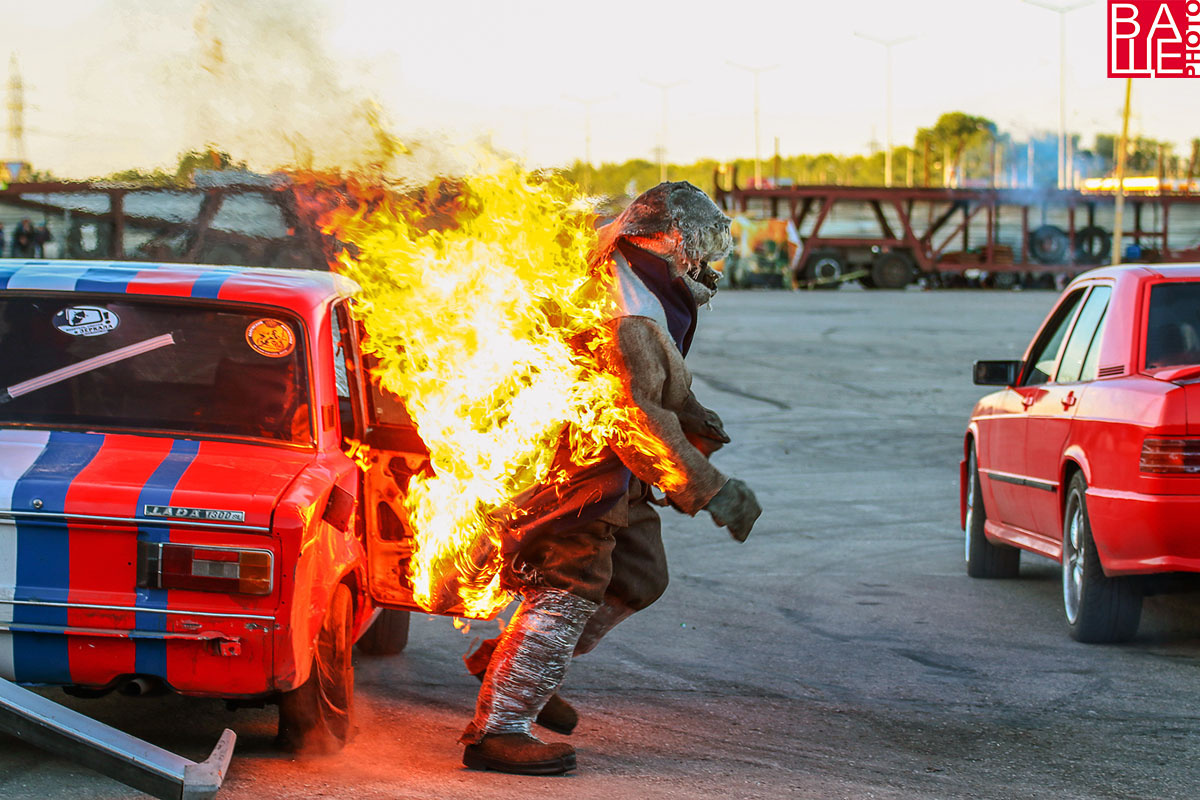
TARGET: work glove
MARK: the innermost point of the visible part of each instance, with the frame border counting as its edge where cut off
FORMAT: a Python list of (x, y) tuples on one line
[(735, 507), (704, 429)]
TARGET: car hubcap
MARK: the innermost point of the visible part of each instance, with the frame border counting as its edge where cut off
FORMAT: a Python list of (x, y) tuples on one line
[(1072, 564), (827, 269)]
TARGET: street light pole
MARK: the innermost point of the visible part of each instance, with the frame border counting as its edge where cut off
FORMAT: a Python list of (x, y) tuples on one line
[(888, 44), (1118, 252), (756, 71), (1064, 179), (587, 104), (662, 144)]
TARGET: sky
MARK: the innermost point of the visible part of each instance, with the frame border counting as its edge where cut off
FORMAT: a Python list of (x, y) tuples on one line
[(114, 84)]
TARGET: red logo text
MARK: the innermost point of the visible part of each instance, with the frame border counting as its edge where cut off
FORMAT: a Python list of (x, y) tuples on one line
[(1154, 39)]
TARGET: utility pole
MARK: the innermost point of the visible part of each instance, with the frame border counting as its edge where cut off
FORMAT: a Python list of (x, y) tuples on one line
[(16, 110), (587, 104), (888, 44), (662, 142), (1122, 149), (1064, 181), (756, 71)]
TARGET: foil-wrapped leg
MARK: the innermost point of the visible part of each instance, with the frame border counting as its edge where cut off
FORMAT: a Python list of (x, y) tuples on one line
[(607, 616), (529, 663)]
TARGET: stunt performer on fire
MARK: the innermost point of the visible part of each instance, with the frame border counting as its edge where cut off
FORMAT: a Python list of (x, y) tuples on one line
[(591, 553)]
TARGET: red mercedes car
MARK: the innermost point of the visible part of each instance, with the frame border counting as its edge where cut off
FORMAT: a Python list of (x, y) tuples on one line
[(1090, 453)]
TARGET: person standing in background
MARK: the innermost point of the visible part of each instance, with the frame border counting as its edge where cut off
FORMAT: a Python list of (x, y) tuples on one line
[(23, 239), (41, 236)]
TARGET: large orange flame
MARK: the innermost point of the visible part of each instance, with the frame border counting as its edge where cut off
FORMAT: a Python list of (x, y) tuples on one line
[(474, 298)]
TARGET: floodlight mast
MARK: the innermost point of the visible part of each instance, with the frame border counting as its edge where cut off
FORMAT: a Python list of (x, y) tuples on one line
[(756, 71), (662, 144), (1065, 173), (587, 103), (888, 44)]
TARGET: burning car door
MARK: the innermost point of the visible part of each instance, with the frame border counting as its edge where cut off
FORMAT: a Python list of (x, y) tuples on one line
[(390, 453)]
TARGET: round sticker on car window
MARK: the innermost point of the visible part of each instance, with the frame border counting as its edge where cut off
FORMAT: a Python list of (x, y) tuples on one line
[(86, 321), (271, 337)]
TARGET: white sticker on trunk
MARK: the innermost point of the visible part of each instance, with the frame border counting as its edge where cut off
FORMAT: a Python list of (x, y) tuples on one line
[(86, 321)]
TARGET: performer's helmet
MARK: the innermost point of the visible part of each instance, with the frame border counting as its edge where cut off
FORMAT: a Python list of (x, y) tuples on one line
[(678, 222)]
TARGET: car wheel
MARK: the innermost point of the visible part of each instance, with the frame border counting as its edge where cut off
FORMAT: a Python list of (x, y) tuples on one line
[(1048, 244), (1098, 608), (388, 635), (984, 559), (1093, 245), (892, 270), (316, 717), (823, 270)]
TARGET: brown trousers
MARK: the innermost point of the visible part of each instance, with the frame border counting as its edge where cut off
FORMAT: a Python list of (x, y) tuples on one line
[(600, 561), (621, 567)]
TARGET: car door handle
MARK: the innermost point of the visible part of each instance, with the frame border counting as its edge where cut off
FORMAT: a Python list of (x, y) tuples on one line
[(1069, 400), (1028, 400)]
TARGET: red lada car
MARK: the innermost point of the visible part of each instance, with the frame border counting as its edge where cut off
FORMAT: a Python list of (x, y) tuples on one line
[(1090, 454), (178, 506)]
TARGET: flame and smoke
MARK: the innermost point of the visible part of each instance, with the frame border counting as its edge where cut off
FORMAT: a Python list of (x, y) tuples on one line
[(476, 294)]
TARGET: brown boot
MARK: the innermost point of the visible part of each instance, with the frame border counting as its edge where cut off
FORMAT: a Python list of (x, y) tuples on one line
[(519, 754), (558, 715)]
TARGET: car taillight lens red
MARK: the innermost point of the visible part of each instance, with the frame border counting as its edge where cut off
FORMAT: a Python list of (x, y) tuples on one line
[(204, 569), (1171, 456)]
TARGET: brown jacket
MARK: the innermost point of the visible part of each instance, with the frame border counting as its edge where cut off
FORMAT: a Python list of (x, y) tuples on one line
[(658, 393)]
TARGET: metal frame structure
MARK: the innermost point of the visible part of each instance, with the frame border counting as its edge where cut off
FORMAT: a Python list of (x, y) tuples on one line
[(928, 238)]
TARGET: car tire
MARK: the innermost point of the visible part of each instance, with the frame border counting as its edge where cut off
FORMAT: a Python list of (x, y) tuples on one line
[(1049, 244), (1098, 608), (984, 559), (823, 270), (388, 635), (892, 270), (1093, 245), (317, 717)]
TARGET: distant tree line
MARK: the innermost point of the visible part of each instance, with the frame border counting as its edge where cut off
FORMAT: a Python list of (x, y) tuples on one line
[(958, 150)]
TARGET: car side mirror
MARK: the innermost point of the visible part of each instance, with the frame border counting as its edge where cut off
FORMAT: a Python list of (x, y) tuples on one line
[(997, 373)]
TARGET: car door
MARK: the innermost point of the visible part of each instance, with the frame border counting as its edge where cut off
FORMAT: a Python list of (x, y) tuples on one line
[(391, 453), (1005, 463), (1051, 414)]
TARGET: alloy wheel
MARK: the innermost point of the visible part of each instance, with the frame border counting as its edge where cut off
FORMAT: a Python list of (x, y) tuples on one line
[(1073, 563)]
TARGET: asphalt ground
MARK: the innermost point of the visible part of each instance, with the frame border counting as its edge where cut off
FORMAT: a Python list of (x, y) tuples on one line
[(841, 652)]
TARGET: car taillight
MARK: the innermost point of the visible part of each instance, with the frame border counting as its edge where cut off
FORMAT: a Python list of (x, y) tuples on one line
[(162, 565), (1171, 456)]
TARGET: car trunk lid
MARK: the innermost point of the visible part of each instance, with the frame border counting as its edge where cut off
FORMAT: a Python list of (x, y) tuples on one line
[(73, 507)]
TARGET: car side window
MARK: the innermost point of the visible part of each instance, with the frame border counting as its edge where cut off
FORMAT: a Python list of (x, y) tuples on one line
[(1049, 345), (1085, 337), (339, 358), (350, 402)]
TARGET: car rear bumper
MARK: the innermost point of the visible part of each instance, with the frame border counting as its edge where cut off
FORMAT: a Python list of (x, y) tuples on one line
[(1144, 533), (202, 654)]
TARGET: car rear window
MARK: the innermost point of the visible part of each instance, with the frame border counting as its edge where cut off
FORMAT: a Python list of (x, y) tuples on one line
[(101, 362), (1173, 325)]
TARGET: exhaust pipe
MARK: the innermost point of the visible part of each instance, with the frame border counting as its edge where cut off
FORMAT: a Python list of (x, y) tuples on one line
[(140, 687), (150, 769)]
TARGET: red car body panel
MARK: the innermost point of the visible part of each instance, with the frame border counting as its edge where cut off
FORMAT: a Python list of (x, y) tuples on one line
[(1029, 440), (71, 611)]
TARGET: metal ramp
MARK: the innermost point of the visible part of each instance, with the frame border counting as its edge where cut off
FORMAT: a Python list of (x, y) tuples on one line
[(147, 768)]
